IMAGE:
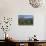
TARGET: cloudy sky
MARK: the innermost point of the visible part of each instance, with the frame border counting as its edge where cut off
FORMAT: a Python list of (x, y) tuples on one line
[(25, 16)]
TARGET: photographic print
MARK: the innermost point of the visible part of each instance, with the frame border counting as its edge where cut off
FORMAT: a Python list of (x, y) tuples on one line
[(25, 20)]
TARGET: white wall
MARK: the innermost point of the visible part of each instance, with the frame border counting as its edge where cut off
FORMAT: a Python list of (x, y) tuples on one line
[(45, 28), (13, 8)]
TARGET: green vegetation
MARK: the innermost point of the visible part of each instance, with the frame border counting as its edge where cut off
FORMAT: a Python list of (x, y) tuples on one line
[(25, 21)]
